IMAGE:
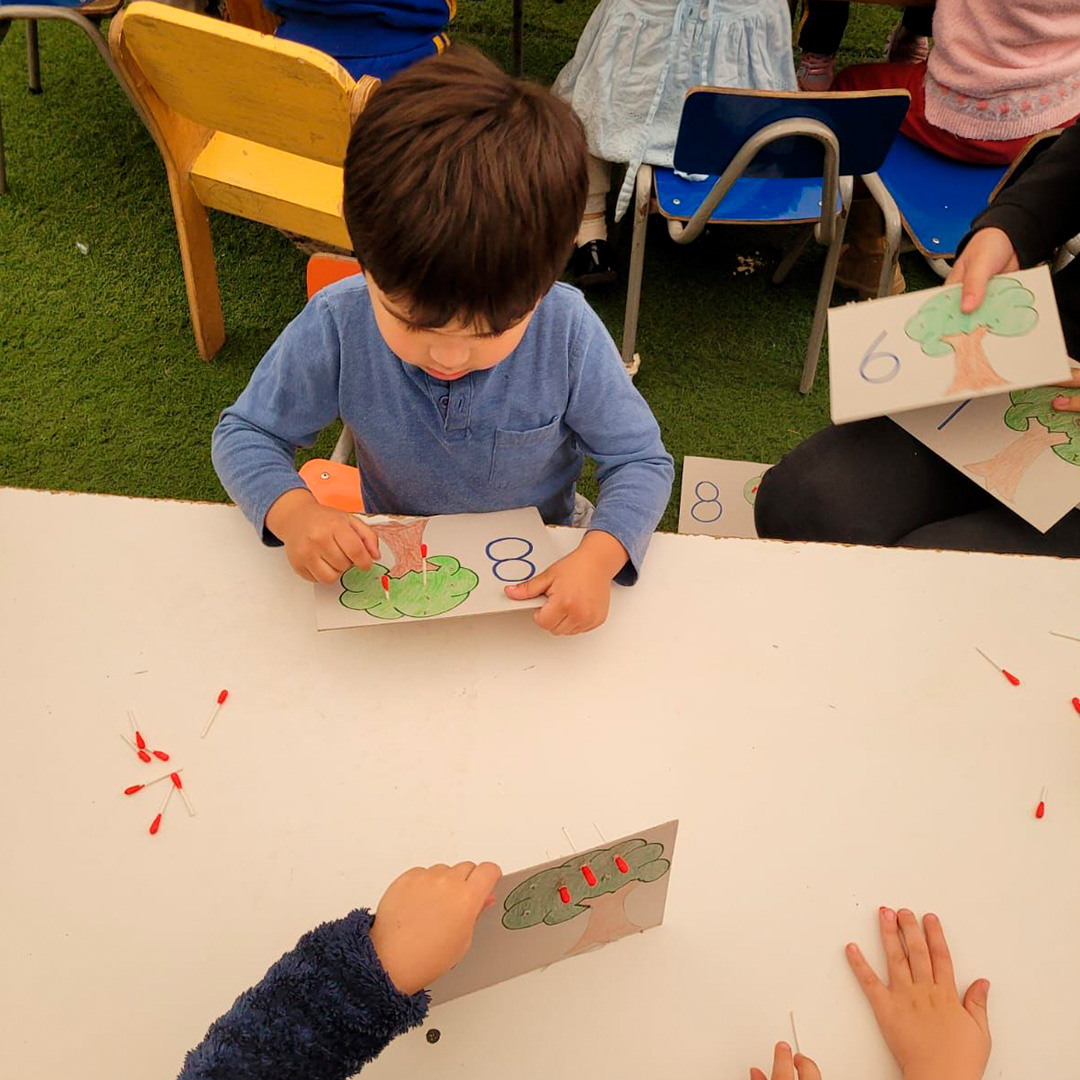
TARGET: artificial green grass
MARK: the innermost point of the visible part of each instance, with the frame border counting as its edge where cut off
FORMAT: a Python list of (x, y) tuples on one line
[(102, 389)]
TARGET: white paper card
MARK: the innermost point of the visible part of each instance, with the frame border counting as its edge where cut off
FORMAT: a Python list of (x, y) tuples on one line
[(718, 496), (471, 558), (910, 351), (1015, 445)]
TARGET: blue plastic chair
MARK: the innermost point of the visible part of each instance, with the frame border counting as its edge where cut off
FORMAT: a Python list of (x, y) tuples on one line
[(938, 197), (771, 159)]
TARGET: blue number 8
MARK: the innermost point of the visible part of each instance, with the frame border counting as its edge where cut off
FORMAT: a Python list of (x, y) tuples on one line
[(500, 561), (700, 489)]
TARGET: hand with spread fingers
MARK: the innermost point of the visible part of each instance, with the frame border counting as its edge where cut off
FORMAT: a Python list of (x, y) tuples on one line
[(932, 1033)]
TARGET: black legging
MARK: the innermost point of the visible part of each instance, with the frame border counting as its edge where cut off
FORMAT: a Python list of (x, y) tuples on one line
[(825, 23), (873, 483)]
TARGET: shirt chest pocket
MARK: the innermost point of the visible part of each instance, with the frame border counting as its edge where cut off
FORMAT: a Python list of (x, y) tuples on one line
[(519, 457)]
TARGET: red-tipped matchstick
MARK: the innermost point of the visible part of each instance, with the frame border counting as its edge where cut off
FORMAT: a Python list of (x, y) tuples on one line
[(997, 667), (156, 823), (140, 742), (138, 787), (183, 794), (213, 716), (386, 587), (143, 755), (1041, 808), (423, 563)]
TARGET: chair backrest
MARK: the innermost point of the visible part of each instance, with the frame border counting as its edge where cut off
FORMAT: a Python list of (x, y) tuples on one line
[(716, 122), (232, 79)]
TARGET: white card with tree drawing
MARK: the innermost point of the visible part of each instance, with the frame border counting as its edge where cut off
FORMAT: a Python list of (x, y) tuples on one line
[(1016, 446), (911, 351), (566, 907), (437, 567), (718, 496)]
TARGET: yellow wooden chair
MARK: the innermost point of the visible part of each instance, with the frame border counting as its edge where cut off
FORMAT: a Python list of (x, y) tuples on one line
[(245, 123)]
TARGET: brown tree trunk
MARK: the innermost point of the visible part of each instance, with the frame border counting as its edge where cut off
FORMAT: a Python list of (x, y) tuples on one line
[(1004, 471), (403, 538), (607, 920), (972, 370)]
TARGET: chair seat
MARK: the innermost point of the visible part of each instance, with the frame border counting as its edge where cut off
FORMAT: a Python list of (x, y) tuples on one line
[(937, 197), (260, 182), (753, 200)]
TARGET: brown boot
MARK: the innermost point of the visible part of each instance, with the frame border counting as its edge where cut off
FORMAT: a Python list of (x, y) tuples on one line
[(863, 252)]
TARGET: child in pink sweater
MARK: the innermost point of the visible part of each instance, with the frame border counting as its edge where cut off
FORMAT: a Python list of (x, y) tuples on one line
[(998, 74)]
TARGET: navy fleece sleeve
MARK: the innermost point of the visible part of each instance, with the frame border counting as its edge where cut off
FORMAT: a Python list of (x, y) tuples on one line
[(320, 1013)]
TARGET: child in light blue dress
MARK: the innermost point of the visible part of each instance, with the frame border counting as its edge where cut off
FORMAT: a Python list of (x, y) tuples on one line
[(633, 65)]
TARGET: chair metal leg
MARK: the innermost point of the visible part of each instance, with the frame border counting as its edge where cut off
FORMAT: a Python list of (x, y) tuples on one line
[(893, 231), (642, 200), (344, 448), (821, 310), (33, 58), (791, 256)]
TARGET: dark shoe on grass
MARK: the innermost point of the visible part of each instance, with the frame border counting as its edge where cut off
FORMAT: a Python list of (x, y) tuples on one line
[(592, 265)]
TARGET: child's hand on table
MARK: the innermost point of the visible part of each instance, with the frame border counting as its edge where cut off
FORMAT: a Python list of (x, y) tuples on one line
[(320, 543), (784, 1066), (425, 920), (931, 1033), (577, 586)]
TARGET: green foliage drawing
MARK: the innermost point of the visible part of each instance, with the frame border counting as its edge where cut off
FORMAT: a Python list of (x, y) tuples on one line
[(536, 900), (749, 490), (448, 585), (941, 328), (1034, 404)]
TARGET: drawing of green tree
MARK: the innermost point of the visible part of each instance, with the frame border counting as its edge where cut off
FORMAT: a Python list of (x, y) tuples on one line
[(940, 327), (448, 582), (750, 489), (1057, 430), (536, 900)]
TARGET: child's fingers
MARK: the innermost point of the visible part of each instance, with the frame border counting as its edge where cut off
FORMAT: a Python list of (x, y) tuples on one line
[(1066, 403), (940, 957), (872, 986), (535, 586), (353, 548), (922, 970), (807, 1068), (481, 882), (896, 959), (462, 870), (757, 1074), (550, 615), (975, 1001), (783, 1068), (1072, 382), (368, 536), (324, 571)]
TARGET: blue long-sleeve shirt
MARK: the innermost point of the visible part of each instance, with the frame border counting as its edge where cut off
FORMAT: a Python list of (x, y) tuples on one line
[(323, 1011), (513, 435)]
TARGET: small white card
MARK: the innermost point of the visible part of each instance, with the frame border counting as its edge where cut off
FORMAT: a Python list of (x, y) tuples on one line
[(718, 496), (470, 559), (911, 351), (1016, 446)]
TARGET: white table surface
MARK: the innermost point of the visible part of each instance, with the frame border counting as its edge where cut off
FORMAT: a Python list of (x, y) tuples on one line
[(816, 717)]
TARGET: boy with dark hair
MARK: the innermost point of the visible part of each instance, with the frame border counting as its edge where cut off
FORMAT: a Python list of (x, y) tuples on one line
[(471, 380)]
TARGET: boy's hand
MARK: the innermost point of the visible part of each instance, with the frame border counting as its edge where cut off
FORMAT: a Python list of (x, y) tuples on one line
[(425, 920), (578, 586), (989, 252), (320, 543), (1068, 402), (930, 1033), (784, 1067)]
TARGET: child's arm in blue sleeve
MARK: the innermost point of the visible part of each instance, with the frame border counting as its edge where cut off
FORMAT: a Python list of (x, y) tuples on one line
[(320, 1013), (292, 396), (618, 431)]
